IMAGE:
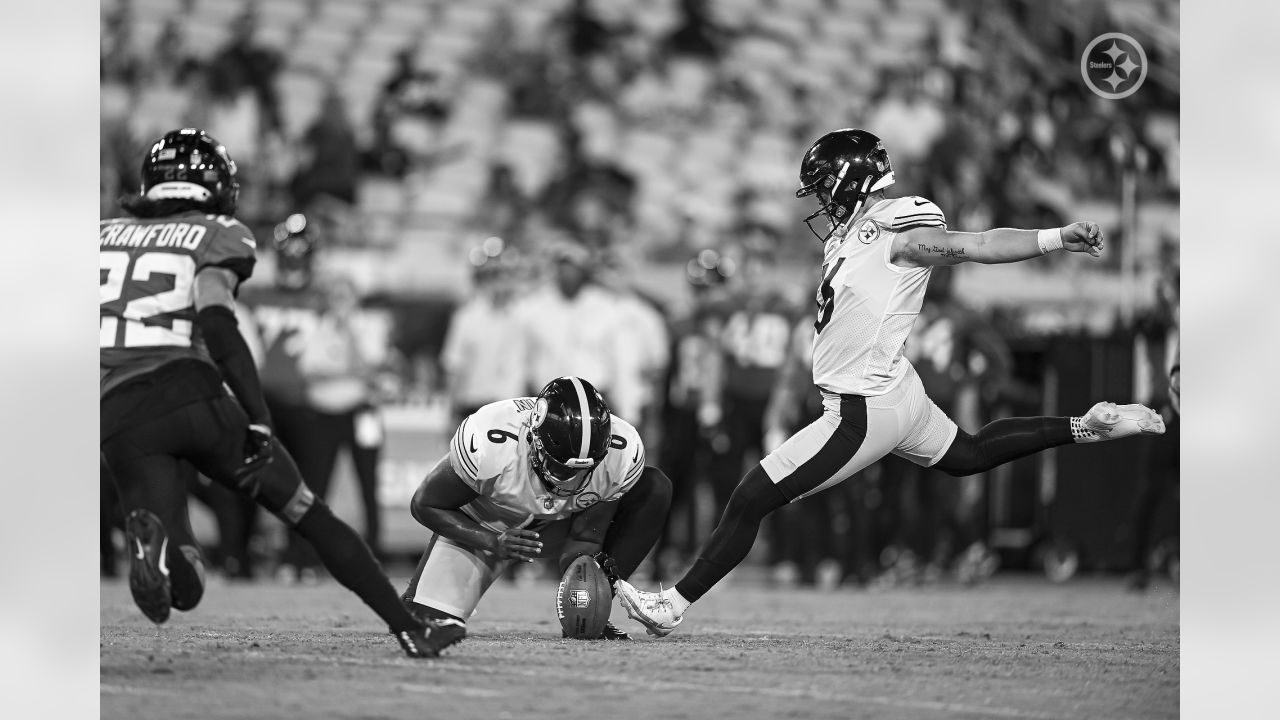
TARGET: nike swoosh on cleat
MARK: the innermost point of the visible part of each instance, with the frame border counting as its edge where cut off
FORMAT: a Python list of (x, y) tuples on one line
[(164, 559), (141, 553)]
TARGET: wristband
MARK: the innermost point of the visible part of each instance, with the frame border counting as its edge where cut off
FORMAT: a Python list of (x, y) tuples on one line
[(1049, 240)]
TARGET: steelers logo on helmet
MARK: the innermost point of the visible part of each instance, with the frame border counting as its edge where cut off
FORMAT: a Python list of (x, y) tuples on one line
[(539, 414), (571, 435)]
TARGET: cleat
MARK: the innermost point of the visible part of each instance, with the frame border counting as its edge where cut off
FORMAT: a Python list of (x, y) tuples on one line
[(428, 641), (1108, 421), (187, 582), (148, 564), (611, 632), (651, 609)]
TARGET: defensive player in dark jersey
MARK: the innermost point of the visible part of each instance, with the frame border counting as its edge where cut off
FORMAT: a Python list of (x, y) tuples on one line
[(180, 393)]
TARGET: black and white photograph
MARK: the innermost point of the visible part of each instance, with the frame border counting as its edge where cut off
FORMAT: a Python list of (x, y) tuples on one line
[(648, 359)]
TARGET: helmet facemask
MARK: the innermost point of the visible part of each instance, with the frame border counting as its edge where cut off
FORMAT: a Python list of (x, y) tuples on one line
[(562, 479)]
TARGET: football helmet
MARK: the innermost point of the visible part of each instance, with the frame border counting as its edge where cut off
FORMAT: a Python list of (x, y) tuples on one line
[(569, 431), (842, 168), (295, 245), (188, 164)]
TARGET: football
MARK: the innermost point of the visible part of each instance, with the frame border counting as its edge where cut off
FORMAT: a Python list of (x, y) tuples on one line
[(583, 599)]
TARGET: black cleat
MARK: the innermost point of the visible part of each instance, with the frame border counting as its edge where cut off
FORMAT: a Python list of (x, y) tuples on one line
[(611, 632), (148, 564), (427, 642), (187, 580)]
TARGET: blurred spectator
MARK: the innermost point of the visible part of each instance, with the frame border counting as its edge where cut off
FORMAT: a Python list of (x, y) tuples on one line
[(908, 121), (409, 116), (754, 341), (484, 357), (341, 362), (243, 66), (317, 373), (585, 35), (696, 36), (574, 327), (330, 161), (692, 404)]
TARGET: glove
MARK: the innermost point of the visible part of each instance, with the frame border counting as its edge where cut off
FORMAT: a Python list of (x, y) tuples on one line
[(257, 451), (610, 568)]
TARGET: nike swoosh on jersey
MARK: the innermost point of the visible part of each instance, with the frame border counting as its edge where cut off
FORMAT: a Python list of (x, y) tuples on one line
[(637, 457), (920, 202), (473, 443)]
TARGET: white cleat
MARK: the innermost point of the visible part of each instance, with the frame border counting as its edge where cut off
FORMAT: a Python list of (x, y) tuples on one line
[(651, 609), (1108, 421)]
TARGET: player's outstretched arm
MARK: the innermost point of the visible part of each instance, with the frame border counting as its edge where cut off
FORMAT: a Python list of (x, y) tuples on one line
[(927, 246), (437, 505)]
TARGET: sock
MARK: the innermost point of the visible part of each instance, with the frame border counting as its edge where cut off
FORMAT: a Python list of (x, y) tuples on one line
[(351, 563), (678, 601), (754, 498)]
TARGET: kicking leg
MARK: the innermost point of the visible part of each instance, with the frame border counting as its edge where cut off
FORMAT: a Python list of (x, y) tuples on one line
[(1008, 439)]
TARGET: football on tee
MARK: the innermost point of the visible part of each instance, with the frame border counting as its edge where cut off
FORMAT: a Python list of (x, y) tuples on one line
[(583, 599)]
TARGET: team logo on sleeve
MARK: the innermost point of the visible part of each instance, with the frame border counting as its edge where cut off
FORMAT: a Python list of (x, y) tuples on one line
[(868, 232)]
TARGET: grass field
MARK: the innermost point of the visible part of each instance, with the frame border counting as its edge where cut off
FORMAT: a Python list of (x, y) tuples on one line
[(1017, 647)]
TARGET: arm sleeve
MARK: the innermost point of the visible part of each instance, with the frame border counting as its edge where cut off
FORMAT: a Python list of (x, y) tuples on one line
[(633, 465), (229, 351), (464, 462), (914, 212)]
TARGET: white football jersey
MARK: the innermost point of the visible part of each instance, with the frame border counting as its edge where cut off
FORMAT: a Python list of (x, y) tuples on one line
[(490, 452), (866, 304)]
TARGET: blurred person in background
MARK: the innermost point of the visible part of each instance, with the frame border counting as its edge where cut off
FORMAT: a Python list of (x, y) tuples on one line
[(328, 159), (316, 375), (692, 404), (575, 327), (754, 342), (1159, 467), (961, 360), (874, 403), (409, 117), (485, 358)]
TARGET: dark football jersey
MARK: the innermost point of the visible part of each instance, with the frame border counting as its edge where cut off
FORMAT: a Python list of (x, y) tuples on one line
[(287, 322), (755, 341), (147, 270)]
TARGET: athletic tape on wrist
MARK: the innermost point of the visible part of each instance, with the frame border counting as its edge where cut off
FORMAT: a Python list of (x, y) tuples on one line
[(1049, 240)]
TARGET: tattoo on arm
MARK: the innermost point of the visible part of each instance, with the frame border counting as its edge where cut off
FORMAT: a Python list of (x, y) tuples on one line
[(944, 252)]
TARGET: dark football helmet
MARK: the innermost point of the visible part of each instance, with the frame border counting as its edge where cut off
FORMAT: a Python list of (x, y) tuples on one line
[(569, 434), (294, 242), (842, 168), (188, 164)]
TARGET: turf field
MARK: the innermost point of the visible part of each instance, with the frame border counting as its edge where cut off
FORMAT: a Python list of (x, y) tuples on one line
[(1017, 647)]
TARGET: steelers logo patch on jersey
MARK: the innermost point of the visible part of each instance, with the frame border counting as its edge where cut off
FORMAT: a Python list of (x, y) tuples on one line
[(587, 499), (868, 232)]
